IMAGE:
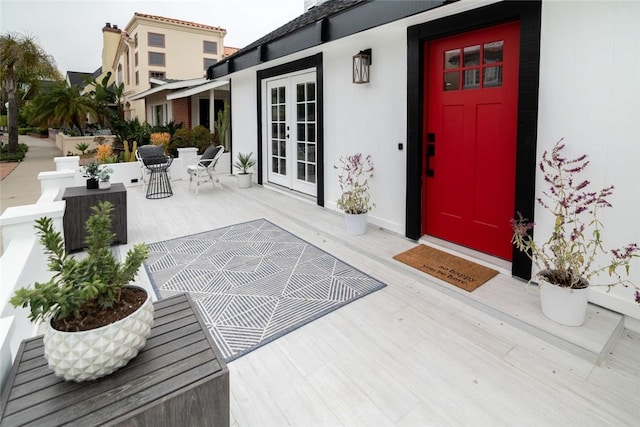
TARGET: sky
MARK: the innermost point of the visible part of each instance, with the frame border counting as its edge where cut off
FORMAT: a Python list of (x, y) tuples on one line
[(71, 30)]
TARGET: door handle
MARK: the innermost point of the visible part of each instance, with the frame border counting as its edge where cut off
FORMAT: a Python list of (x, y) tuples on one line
[(431, 151)]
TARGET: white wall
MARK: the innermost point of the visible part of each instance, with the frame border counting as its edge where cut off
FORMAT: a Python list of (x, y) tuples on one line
[(589, 89), (589, 94)]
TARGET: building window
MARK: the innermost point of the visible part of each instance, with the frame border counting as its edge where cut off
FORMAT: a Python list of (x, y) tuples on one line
[(156, 58), (159, 114), (128, 68), (137, 79), (210, 47), (157, 74), (119, 76), (136, 59), (156, 40), (135, 40), (208, 62)]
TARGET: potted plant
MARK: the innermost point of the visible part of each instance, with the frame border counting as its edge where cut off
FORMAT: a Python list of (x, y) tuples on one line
[(354, 174), (90, 171), (243, 163), (568, 261), (104, 174), (94, 322)]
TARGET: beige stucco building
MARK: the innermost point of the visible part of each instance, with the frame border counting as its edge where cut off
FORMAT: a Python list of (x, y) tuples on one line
[(158, 49)]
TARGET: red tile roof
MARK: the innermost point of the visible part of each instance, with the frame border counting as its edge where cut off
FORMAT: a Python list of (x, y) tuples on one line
[(228, 50), (178, 21)]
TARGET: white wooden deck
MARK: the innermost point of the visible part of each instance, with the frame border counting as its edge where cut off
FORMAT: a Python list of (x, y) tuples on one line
[(417, 353)]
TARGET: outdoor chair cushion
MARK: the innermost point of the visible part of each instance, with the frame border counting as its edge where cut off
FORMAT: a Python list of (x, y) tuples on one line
[(152, 154), (209, 154)]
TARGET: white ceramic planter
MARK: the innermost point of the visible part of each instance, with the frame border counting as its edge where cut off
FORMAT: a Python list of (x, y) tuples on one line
[(104, 185), (244, 180), (356, 224), (563, 305), (87, 355)]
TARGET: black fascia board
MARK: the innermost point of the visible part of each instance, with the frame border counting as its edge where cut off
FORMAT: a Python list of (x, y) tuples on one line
[(358, 18)]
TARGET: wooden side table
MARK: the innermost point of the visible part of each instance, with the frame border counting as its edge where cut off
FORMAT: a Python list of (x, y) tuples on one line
[(78, 210), (179, 378)]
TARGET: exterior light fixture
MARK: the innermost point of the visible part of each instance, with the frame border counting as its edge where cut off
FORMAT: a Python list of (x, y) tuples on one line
[(361, 66)]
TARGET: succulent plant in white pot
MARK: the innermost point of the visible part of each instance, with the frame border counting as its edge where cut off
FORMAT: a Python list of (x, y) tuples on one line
[(94, 321)]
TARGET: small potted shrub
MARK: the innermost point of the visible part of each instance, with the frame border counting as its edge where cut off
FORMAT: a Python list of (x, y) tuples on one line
[(104, 174), (568, 259), (91, 171), (94, 322), (354, 173), (244, 163)]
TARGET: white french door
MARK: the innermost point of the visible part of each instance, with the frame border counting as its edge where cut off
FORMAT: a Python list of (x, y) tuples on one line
[(291, 132)]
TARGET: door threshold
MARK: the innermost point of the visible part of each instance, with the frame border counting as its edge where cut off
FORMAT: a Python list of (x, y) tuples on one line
[(503, 266), (289, 192)]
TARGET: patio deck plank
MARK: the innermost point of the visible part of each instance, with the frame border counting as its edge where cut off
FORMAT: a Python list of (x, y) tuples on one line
[(447, 338)]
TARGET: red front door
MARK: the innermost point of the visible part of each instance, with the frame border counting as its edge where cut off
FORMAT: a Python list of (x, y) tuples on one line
[(471, 107)]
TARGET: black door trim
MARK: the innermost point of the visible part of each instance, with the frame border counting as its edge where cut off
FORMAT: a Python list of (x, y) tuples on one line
[(314, 61), (529, 15)]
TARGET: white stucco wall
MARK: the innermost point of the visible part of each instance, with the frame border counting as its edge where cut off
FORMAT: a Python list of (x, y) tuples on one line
[(589, 94)]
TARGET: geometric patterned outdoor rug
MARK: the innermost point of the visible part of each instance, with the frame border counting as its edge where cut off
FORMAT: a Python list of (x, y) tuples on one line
[(254, 282)]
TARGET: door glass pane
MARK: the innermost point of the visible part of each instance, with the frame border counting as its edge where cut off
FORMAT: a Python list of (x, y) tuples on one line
[(471, 56), (274, 148), (311, 173), (281, 113), (493, 52), (274, 130), (283, 149), (300, 115), (283, 166), (311, 91), (301, 151), (311, 153), (311, 112), (311, 133), (451, 59), (274, 113), (471, 78), (301, 135), (281, 93), (274, 96), (492, 76), (452, 80), (301, 171), (281, 131), (300, 92), (274, 164)]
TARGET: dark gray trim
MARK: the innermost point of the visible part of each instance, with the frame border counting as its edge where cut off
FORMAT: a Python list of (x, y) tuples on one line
[(338, 23), (314, 61), (529, 15)]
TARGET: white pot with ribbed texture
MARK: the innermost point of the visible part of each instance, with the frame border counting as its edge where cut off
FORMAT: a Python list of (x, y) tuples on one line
[(563, 305), (88, 355)]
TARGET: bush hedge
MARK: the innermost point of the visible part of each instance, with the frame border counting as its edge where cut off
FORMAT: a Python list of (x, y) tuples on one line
[(17, 157)]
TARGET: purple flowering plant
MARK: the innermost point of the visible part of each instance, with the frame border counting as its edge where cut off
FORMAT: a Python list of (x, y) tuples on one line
[(354, 174), (569, 257)]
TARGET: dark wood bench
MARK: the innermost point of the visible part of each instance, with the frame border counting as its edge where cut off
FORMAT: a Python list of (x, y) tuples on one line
[(179, 378)]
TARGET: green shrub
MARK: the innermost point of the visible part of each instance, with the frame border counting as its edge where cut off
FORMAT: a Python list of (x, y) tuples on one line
[(181, 139), (17, 157), (201, 138), (24, 131), (3, 120)]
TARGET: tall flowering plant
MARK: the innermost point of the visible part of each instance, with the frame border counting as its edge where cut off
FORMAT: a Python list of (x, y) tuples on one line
[(568, 258), (354, 173)]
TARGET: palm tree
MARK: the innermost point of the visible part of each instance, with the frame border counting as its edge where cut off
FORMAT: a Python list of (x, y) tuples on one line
[(22, 60), (62, 105)]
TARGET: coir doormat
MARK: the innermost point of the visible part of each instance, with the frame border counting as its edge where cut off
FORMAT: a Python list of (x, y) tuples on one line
[(254, 282), (459, 272)]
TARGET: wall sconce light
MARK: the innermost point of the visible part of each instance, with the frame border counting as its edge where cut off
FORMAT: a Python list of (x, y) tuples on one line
[(361, 66)]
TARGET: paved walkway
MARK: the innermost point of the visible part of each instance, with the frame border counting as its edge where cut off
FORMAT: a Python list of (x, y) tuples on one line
[(20, 185)]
